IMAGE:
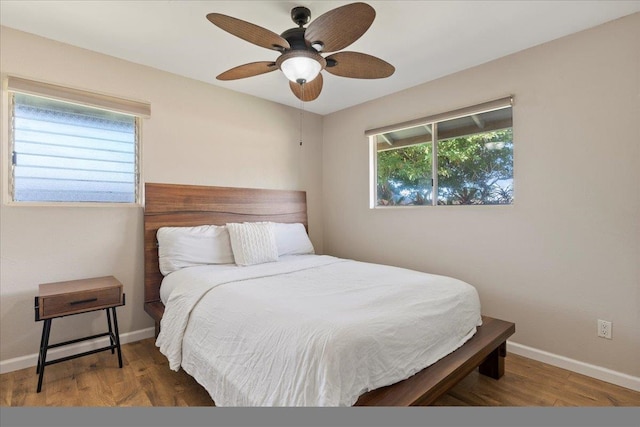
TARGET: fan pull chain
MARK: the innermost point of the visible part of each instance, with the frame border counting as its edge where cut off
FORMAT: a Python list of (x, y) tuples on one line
[(301, 112)]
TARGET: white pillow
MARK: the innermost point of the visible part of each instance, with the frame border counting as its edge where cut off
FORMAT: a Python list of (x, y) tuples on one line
[(180, 247), (253, 242), (292, 239)]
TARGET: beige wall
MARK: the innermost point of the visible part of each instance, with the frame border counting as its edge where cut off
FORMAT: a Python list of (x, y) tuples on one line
[(568, 251), (197, 134)]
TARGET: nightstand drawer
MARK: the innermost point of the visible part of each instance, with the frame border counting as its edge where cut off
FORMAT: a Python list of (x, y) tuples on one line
[(77, 296), (80, 301)]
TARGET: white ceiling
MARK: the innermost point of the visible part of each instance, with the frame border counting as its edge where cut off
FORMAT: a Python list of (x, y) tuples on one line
[(424, 40)]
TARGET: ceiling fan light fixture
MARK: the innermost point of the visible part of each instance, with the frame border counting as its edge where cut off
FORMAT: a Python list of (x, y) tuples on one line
[(301, 69), (301, 66)]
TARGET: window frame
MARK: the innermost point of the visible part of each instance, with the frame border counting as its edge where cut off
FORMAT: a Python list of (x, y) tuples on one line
[(433, 121), (12, 85)]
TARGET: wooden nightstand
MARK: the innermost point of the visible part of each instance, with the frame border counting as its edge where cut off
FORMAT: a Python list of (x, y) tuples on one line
[(73, 297)]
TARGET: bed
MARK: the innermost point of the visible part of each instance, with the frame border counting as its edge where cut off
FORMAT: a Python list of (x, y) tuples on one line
[(481, 341)]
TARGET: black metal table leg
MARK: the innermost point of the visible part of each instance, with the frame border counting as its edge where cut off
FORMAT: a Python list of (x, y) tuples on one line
[(46, 330), (117, 336), (44, 326), (110, 328)]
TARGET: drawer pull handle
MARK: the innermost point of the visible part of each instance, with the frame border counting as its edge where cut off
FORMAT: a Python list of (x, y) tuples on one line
[(82, 301)]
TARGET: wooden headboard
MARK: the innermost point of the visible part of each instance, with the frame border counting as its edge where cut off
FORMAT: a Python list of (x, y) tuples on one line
[(173, 205)]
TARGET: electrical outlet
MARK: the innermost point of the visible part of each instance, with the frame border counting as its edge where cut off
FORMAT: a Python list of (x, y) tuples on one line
[(604, 329)]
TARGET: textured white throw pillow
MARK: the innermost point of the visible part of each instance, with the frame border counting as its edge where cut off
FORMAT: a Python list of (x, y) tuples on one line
[(180, 247), (292, 239), (253, 242)]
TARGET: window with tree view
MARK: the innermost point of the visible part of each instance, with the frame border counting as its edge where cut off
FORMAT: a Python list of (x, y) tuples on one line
[(454, 160)]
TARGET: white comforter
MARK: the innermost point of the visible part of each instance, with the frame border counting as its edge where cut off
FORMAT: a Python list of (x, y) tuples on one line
[(310, 330)]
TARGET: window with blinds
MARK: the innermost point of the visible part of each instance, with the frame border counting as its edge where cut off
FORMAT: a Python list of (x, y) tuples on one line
[(63, 151)]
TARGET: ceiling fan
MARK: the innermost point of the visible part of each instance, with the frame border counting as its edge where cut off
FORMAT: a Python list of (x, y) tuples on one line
[(300, 48)]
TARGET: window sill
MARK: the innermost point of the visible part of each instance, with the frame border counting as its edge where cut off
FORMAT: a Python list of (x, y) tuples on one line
[(71, 205)]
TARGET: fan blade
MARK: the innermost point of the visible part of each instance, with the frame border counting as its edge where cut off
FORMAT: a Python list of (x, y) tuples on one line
[(248, 70), (249, 32), (307, 91), (358, 66), (341, 26)]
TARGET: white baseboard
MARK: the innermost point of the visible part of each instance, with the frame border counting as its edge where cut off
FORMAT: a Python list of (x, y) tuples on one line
[(31, 360), (593, 371)]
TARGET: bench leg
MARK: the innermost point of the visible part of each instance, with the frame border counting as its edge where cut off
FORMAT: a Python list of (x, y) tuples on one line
[(493, 365)]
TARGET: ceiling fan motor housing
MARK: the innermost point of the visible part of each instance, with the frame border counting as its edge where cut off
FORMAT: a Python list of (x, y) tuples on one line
[(295, 37)]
